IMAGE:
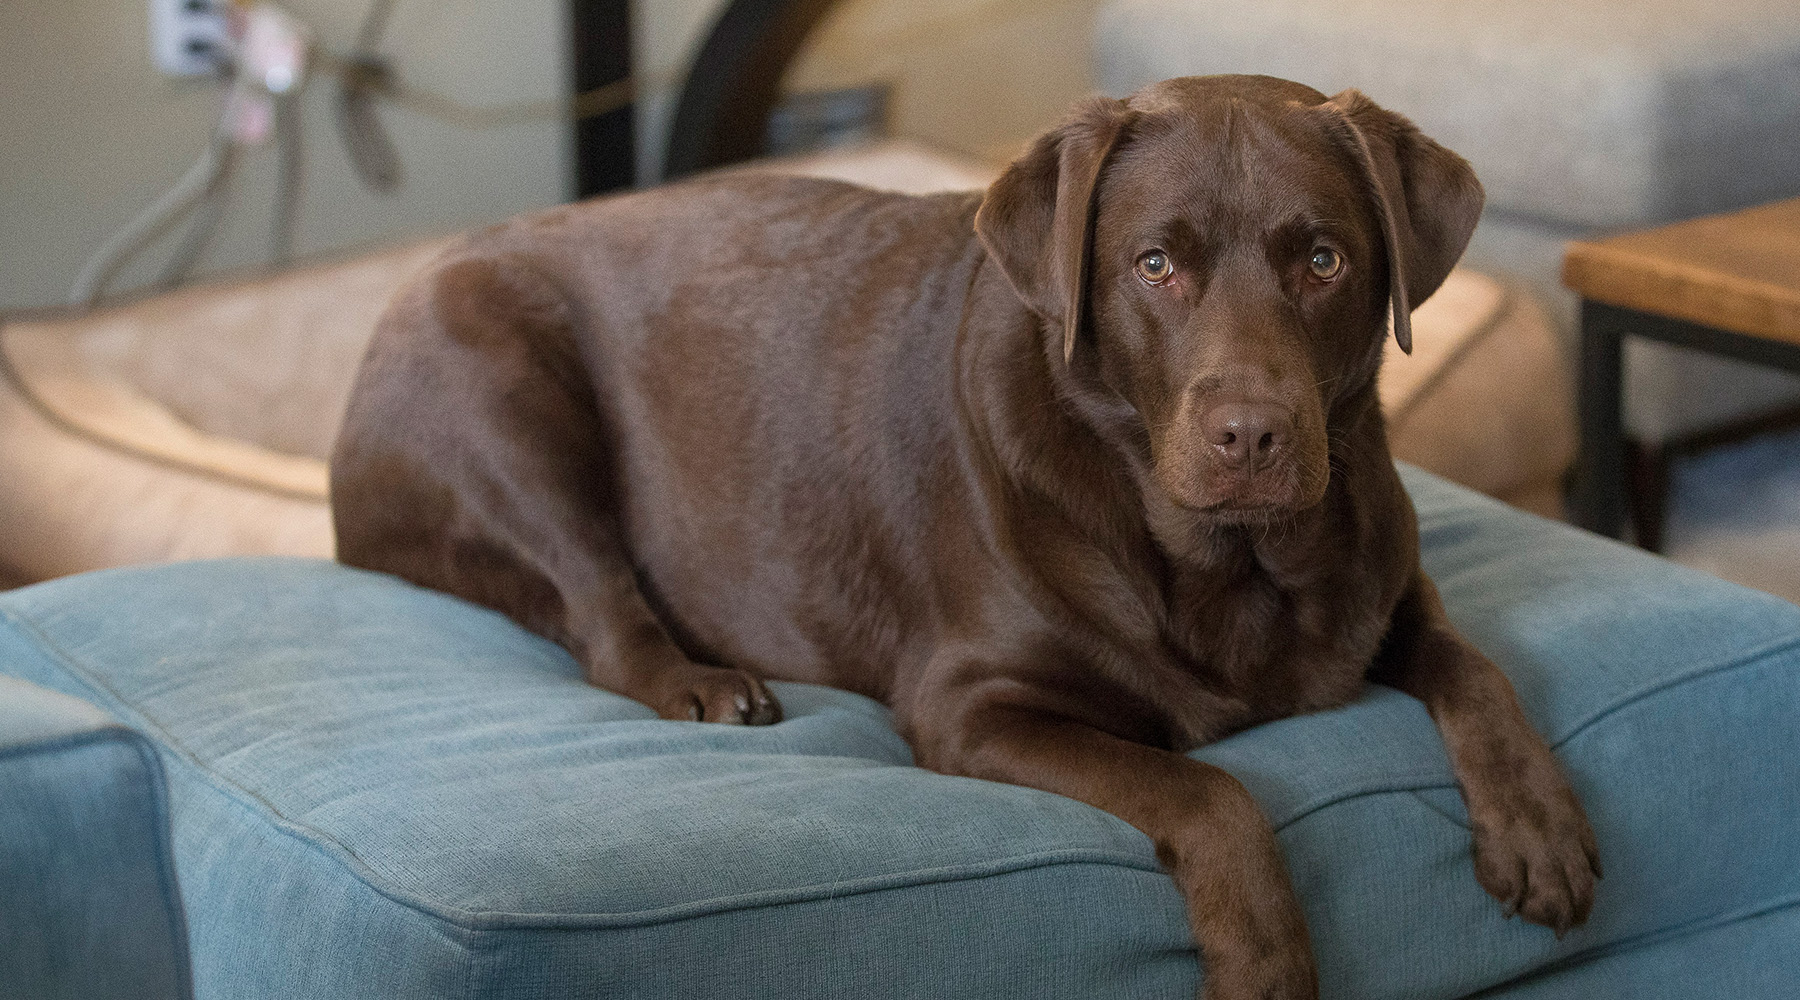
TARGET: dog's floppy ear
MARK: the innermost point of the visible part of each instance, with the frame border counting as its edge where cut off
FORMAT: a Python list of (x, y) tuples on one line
[(1036, 220), (1427, 197)]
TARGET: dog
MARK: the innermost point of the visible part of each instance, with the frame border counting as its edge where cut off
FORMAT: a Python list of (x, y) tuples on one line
[(1076, 474)]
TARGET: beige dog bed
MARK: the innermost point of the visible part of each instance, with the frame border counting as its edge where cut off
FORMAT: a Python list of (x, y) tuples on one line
[(197, 423)]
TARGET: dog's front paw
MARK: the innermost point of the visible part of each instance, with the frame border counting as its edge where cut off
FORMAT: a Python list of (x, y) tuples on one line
[(717, 694), (1535, 852)]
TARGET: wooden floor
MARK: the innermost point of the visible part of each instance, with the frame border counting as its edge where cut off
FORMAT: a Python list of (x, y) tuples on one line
[(1735, 513)]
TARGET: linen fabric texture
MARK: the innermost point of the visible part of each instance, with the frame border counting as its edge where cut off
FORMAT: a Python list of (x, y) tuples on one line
[(89, 908), (380, 791)]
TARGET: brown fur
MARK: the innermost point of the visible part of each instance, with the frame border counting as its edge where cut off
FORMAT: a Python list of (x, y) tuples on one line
[(955, 453)]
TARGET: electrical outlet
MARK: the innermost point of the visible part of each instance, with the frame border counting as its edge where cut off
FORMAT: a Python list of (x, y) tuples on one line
[(188, 37)]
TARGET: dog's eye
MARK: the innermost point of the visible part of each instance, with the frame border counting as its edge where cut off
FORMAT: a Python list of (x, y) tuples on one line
[(1155, 267), (1326, 263)]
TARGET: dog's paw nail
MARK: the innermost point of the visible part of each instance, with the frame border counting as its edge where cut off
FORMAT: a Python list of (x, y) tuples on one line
[(718, 695)]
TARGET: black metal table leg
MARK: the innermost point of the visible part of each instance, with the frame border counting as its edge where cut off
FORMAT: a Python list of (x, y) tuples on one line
[(735, 81), (600, 53), (1599, 495)]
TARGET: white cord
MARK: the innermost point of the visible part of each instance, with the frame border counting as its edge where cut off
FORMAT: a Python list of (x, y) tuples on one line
[(200, 181), (203, 185), (288, 179), (206, 219)]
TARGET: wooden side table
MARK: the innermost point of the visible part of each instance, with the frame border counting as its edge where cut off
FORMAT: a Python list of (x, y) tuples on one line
[(1725, 284)]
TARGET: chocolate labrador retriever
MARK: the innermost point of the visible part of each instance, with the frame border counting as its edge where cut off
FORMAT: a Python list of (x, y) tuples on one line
[(1076, 474)]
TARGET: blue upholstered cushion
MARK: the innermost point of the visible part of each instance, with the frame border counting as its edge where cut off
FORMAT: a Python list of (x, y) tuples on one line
[(88, 903), (382, 792)]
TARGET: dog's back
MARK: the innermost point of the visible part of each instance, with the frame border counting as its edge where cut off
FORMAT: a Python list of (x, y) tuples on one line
[(764, 364)]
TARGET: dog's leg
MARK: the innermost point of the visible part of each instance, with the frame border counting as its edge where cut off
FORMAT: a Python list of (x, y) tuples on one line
[(1534, 850), (1208, 832), (473, 461)]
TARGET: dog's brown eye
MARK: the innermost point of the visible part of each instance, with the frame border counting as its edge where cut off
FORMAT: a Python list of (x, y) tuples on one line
[(1155, 267), (1326, 263)]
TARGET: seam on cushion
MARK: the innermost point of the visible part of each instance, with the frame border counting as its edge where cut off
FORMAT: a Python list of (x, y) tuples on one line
[(1765, 651), (1390, 785), (166, 877), (1433, 806), (1638, 942), (943, 875), (168, 887), (472, 923), (493, 919), (1649, 692)]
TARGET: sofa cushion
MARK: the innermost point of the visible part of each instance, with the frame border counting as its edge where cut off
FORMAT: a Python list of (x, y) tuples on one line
[(1595, 113), (1485, 398), (381, 791), (89, 908), (1740, 956)]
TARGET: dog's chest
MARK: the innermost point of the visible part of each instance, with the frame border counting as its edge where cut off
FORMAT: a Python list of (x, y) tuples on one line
[(1279, 644)]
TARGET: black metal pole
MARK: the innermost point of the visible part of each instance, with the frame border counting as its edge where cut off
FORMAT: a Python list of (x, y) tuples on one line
[(600, 49), (736, 81), (1598, 502)]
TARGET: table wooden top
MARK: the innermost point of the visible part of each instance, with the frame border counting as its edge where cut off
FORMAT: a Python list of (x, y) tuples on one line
[(1739, 271)]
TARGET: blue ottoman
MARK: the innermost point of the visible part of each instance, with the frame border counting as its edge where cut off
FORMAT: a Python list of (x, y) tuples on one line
[(89, 908), (378, 791)]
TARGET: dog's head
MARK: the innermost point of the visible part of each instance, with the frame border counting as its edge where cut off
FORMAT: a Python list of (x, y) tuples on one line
[(1220, 254)]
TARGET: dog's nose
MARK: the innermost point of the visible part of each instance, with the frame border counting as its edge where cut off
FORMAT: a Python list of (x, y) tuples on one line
[(1248, 435)]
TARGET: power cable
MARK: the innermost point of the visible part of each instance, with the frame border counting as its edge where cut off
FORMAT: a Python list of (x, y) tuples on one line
[(207, 213), (201, 181), (371, 150), (379, 81), (289, 173), (200, 193), (365, 78), (374, 24)]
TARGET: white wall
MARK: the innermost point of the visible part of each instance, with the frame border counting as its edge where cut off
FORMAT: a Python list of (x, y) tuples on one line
[(90, 133), (976, 76), (981, 77)]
